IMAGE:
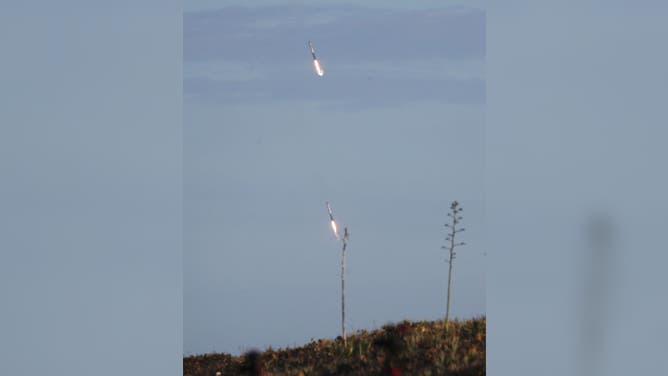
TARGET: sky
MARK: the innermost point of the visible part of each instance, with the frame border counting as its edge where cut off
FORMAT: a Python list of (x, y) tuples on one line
[(576, 99), (390, 135), (90, 230)]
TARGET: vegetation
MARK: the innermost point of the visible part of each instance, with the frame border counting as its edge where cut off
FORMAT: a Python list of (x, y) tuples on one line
[(407, 348), (455, 216)]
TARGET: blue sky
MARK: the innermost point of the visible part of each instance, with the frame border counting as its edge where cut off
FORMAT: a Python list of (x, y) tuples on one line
[(92, 138), (390, 135), (90, 231), (240, 53), (576, 99)]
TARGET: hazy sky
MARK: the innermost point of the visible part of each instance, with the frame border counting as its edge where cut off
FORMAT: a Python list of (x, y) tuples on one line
[(90, 188), (390, 135), (91, 184), (576, 130)]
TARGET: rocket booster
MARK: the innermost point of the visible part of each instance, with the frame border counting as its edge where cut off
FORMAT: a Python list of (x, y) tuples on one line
[(316, 64), (329, 209), (312, 50), (332, 222)]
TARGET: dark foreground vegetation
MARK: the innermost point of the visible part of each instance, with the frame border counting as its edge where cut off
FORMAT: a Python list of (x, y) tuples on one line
[(406, 348)]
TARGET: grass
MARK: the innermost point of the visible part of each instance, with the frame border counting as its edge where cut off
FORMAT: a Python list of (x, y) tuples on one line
[(405, 348)]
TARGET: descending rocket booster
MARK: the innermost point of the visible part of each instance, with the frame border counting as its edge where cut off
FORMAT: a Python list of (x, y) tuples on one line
[(331, 220), (316, 63), (329, 209), (312, 50)]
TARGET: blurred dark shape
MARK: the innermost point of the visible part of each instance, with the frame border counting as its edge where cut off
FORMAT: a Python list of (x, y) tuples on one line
[(253, 364), (596, 285), (392, 344), (600, 230), (404, 328), (345, 369)]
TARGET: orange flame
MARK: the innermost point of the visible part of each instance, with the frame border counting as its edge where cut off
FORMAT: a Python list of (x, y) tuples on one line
[(336, 232), (318, 68)]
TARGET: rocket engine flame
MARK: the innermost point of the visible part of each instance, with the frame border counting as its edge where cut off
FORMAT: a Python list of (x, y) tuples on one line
[(336, 232), (316, 64), (331, 220), (318, 68)]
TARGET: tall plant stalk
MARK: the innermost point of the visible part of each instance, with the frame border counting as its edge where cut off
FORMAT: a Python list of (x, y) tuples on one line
[(343, 285), (453, 230)]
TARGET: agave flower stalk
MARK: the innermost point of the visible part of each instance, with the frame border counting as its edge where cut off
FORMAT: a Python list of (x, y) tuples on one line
[(456, 218)]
